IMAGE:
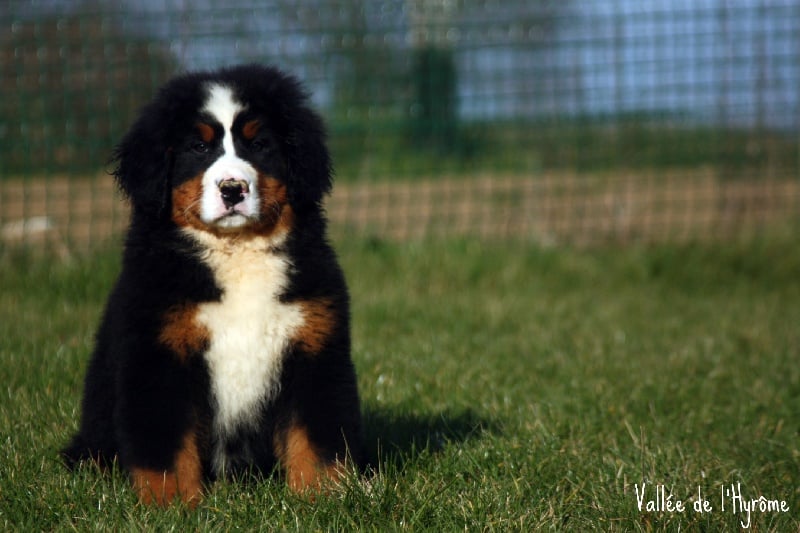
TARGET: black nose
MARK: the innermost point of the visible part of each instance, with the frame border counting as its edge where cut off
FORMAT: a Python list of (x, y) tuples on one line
[(232, 192)]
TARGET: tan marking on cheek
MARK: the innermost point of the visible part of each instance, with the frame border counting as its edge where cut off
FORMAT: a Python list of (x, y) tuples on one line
[(319, 322), (206, 132), (184, 480), (186, 201), (181, 332), (250, 129), (276, 214), (305, 469), (286, 220), (272, 190)]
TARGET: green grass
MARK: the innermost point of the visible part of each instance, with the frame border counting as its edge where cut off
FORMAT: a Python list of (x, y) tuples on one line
[(504, 386)]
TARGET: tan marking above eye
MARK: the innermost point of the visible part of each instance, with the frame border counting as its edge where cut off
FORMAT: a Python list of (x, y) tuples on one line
[(206, 132), (250, 129)]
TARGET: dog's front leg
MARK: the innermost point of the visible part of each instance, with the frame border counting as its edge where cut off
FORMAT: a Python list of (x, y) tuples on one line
[(158, 429), (182, 480), (305, 468)]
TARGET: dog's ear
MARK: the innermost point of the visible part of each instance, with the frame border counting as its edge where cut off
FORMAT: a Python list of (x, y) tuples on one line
[(308, 163), (143, 164)]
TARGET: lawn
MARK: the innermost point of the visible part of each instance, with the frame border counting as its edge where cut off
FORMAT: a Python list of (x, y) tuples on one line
[(504, 387)]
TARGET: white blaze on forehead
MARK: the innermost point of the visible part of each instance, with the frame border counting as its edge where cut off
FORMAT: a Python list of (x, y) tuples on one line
[(223, 107)]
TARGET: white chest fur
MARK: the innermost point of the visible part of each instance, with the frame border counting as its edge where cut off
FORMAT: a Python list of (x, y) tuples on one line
[(249, 328)]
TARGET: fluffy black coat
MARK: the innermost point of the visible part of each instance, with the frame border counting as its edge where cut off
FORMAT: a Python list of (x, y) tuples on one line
[(149, 399)]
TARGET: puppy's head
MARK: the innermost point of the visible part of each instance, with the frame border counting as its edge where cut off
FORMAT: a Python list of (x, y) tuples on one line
[(237, 150)]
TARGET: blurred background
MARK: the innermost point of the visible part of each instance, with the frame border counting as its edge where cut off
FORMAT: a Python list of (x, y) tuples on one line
[(555, 122)]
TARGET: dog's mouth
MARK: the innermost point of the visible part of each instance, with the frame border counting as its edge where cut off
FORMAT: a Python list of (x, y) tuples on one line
[(234, 210)]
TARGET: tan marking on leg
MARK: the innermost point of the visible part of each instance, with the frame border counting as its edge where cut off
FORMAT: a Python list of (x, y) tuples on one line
[(319, 322), (154, 486), (189, 471), (306, 471), (184, 480), (181, 332)]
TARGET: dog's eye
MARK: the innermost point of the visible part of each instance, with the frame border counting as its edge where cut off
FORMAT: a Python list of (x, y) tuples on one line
[(258, 146), (200, 147)]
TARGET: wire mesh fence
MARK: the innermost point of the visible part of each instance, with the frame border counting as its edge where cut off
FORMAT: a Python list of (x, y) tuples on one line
[(554, 121)]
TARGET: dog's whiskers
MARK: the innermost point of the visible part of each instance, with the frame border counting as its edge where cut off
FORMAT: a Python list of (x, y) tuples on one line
[(187, 210)]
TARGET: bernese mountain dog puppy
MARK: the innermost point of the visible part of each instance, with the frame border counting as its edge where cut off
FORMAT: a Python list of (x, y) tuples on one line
[(224, 348)]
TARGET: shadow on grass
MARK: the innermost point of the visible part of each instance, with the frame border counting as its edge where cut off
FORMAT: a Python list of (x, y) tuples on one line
[(393, 437)]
